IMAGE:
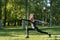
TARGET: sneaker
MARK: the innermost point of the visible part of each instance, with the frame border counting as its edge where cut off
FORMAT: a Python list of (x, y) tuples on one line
[(49, 35), (27, 36)]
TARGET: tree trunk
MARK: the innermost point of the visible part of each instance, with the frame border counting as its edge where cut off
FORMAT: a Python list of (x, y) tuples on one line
[(0, 14), (15, 23), (8, 24), (5, 12)]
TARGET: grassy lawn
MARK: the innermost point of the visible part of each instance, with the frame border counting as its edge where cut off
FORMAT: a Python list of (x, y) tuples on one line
[(19, 34), (32, 37)]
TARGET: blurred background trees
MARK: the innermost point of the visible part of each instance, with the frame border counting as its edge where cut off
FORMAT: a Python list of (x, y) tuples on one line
[(16, 9)]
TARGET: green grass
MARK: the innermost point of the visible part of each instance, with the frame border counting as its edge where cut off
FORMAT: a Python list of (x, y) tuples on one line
[(32, 37), (16, 33)]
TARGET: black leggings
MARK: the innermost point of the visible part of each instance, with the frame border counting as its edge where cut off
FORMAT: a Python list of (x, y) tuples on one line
[(36, 28)]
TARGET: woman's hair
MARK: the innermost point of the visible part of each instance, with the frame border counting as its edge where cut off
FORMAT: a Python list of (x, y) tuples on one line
[(32, 15)]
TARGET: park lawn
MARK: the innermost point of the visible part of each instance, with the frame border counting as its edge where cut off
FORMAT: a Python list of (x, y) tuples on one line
[(32, 37), (19, 34)]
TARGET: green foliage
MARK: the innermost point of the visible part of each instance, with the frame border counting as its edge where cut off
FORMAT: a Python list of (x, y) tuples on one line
[(17, 9)]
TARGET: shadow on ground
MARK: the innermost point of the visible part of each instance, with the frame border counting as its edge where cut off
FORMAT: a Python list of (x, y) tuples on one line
[(17, 32)]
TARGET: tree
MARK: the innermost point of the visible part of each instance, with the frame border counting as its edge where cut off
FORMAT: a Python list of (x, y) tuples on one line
[(0, 13), (5, 12)]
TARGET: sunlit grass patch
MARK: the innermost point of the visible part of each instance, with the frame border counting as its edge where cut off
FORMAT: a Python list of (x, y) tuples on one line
[(32, 37)]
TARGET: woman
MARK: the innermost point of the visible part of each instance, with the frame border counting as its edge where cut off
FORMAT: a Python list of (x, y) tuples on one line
[(33, 24)]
